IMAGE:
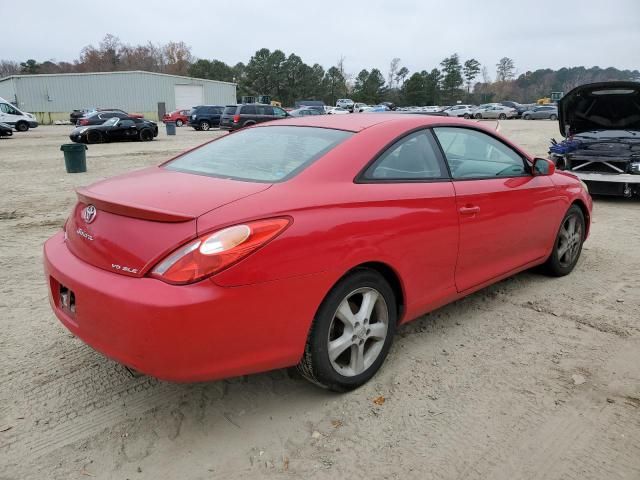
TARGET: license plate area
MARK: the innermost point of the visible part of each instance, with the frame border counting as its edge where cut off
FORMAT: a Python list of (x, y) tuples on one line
[(67, 300)]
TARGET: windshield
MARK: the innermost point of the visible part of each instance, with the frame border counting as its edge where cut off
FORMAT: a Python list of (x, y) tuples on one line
[(265, 154)]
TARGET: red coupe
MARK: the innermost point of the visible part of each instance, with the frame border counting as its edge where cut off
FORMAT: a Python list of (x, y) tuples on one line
[(180, 117), (305, 242)]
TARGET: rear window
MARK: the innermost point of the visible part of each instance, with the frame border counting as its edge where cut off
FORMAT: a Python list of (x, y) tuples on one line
[(267, 154), (230, 110)]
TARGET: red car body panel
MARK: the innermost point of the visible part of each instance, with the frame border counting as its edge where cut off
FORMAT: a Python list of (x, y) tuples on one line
[(442, 240), (182, 115)]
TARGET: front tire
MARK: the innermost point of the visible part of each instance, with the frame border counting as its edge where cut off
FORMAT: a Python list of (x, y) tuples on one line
[(179, 123), (502, 116), (553, 117), (22, 126), (204, 125), (568, 244), (467, 116), (527, 117), (94, 136), (146, 135), (477, 116), (351, 333)]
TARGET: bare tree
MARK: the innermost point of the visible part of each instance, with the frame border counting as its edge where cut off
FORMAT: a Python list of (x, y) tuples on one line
[(393, 69), (9, 67), (505, 69)]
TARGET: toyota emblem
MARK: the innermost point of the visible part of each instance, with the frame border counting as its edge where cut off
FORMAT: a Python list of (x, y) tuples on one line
[(89, 213)]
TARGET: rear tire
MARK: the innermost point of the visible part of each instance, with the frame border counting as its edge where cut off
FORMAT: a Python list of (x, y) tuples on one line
[(553, 117), (568, 245), (477, 116), (351, 333), (22, 126), (502, 116), (248, 124), (527, 117), (179, 123), (467, 116)]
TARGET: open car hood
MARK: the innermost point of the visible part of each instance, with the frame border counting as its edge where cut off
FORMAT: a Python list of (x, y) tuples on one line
[(600, 106)]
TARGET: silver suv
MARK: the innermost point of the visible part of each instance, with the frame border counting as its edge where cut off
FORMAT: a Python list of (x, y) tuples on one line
[(345, 103), (460, 111)]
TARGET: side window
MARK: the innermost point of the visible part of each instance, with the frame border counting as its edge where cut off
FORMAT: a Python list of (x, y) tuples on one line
[(6, 108), (473, 154), (278, 112), (264, 110), (410, 158), (126, 123), (248, 110)]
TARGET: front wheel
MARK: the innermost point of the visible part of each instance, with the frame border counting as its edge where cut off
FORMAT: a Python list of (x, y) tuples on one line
[(478, 116), (146, 135), (527, 117), (351, 333), (553, 117), (94, 136), (204, 125), (502, 116), (467, 116), (568, 244), (22, 126)]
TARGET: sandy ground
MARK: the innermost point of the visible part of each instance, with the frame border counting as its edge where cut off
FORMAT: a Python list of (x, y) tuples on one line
[(533, 378)]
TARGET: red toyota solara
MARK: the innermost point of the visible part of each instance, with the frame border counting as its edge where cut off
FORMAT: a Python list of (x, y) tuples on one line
[(305, 242)]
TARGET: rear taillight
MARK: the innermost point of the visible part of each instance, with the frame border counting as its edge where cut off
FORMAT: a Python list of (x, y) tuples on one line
[(213, 252), (236, 119)]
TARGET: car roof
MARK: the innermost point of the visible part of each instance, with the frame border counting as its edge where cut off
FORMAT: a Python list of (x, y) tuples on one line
[(361, 121)]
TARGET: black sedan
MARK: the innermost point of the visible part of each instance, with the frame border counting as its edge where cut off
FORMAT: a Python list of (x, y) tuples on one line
[(5, 130), (115, 130)]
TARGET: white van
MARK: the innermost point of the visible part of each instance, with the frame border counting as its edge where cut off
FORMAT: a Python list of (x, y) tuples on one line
[(13, 116)]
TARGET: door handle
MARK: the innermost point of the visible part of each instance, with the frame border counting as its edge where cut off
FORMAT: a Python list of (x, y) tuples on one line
[(469, 210)]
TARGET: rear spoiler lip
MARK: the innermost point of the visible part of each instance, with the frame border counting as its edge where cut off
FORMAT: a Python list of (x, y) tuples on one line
[(145, 213)]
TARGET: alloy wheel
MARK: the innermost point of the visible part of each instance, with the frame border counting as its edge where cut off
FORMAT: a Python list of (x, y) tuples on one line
[(358, 331), (569, 241)]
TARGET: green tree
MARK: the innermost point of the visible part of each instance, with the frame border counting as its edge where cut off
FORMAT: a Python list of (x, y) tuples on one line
[(333, 85), (414, 91), (432, 86), (30, 67), (452, 77), (470, 70)]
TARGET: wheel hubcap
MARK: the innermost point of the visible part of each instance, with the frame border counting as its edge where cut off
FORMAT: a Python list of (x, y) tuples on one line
[(569, 241), (358, 331)]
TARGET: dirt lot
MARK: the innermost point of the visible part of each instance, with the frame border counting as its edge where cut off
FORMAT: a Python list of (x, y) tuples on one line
[(533, 378)]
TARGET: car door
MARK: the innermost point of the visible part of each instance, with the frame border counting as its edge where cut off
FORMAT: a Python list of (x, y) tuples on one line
[(539, 113), (506, 214), (410, 182), (8, 114), (490, 112)]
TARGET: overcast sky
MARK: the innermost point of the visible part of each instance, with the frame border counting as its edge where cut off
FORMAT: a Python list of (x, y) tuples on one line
[(368, 33)]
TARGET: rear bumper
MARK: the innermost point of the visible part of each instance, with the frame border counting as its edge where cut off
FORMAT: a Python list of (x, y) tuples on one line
[(184, 333)]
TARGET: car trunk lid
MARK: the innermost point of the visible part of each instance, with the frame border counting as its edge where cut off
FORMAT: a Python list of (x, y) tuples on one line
[(600, 106), (128, 223)]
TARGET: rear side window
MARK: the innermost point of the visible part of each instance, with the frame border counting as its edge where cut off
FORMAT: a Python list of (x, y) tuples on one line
[(475, 155), (248, 110), (264, 110), (411, 158), (267, 154)]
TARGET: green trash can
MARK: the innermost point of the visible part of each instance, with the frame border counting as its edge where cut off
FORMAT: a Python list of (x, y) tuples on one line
[(75, 157), (171, 128)]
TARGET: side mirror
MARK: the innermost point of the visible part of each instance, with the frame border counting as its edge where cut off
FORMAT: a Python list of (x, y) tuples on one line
[(543, 167)]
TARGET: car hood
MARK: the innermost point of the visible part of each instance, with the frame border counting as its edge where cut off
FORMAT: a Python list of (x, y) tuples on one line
[(600, 106)]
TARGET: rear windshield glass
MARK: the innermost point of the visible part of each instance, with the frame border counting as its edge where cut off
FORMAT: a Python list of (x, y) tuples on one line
[(265, 154), (230, 110)]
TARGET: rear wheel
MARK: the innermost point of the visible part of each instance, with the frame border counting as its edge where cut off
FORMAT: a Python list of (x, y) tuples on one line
[(22, 126), (502, 116), (478, 116), (527, 117), (204, 125), (553, 117), (351, 333), (94, 136), (568, 244), (179, 123), (467, 116), (249, 123), (146, 135)]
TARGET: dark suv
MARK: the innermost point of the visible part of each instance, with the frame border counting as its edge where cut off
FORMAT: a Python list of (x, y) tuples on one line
[(238, 116), (203, 117)]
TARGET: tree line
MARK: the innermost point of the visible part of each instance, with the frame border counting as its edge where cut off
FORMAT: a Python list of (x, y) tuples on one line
[(288, 78)]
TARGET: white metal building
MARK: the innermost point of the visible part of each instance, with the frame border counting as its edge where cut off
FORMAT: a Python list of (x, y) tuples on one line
[(53, 96)]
